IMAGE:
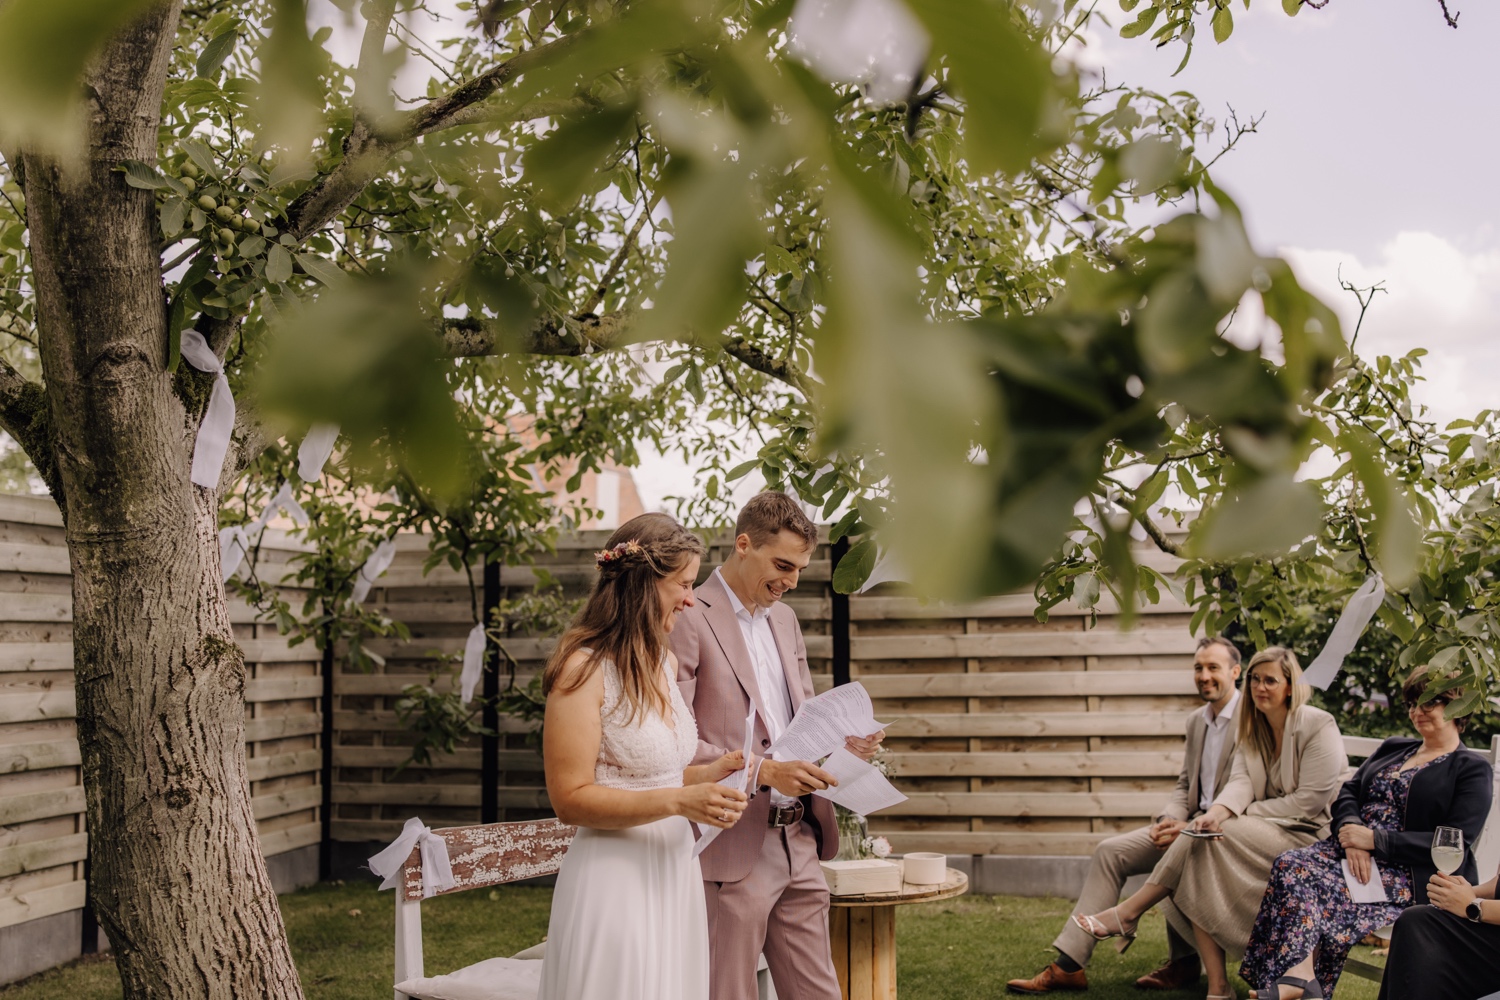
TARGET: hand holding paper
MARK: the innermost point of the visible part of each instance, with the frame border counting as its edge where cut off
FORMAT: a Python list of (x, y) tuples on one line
[(823, 723), (736, 781)]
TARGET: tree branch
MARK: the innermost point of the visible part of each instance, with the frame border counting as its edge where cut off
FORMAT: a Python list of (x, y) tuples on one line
[(24, 416), (625, 247), (1154, 532), (367, 150), (589, 334)]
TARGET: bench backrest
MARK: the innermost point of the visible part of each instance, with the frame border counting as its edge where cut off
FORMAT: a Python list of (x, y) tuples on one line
[(1487, 849), (480, 855)]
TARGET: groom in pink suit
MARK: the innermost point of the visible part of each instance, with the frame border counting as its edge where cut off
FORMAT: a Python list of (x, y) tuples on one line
[(738, 646)]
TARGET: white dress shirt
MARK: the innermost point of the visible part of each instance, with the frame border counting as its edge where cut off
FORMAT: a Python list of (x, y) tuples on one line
[(770, 675), (1213, 750)]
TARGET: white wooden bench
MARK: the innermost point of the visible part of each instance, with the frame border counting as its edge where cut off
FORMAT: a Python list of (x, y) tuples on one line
[(493, 854), (1486, 851), (489, 855)]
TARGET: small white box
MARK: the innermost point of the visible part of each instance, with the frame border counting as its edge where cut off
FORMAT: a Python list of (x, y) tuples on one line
[(858, 878)]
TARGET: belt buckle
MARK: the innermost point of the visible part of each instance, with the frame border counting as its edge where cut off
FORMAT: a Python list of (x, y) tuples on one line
[(785, 815)]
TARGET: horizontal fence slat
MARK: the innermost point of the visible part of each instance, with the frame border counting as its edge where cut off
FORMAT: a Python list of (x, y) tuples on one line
[(1091, 805), (1097, 642), (39, 756), (283, 688), (274, 842), (36, 856), (282, 764), (1017, 724), (870, 608), (288, 800), (1120, 764), (278, 727), (37, 903), (32, 706), (944, 842), (30, 806), (458, 760), (1039, 684)]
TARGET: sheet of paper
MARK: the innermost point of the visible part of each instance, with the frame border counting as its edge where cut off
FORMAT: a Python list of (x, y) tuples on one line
[(707, 835), (822, 723), (1372, 891), (1362, 606), (861, 787)]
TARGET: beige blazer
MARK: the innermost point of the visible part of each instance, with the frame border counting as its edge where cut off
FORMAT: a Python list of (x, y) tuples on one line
[(1312, 766), (1183, 805), (717, 678)]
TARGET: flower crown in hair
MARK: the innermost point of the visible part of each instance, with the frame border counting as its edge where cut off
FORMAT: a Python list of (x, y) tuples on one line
[(613, 555)]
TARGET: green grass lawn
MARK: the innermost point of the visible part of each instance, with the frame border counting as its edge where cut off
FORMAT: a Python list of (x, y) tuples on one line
[(963, 948)]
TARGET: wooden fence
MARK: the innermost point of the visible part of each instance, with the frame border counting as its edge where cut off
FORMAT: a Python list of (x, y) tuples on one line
[(1010, 736)]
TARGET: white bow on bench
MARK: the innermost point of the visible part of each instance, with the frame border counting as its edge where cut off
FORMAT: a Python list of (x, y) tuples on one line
[(437, 871)]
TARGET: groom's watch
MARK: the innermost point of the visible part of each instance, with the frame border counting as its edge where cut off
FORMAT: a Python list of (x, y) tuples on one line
[(1474, 911)]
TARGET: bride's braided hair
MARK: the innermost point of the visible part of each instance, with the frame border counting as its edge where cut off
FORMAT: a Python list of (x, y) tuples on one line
[(622, 619)]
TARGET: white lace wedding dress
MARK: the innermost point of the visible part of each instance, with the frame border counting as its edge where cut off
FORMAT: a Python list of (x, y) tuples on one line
[(628, 917)]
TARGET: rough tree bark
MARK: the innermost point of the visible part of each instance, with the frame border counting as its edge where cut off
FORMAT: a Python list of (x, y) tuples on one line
[(177, 879)]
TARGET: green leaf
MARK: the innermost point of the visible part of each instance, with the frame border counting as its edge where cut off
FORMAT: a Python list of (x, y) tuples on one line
[(142, 175), (742, 470), (173, 216), (324, 270), (1291, 6), (44, 47), (252, 246), (1265, 518), (1223, 22), (780, 261), (216, 51), (1005, 79), (289, 98), (855, 567), (201, 155), (1142, 23), (565, 163), (278, 265)]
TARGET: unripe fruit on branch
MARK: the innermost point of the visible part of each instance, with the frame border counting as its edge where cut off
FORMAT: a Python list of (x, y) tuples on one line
[(190, 184), (189, 169), (226, 236), (207, 203), (224, 213), (232, 202)]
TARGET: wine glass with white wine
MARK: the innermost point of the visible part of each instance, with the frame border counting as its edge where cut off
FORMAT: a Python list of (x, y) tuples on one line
[(1448, 849)]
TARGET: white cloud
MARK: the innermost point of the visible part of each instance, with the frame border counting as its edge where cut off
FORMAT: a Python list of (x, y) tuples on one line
[(1437, 296)]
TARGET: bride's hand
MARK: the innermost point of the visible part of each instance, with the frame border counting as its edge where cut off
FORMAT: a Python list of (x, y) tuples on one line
[(725, 766), (712, 805)]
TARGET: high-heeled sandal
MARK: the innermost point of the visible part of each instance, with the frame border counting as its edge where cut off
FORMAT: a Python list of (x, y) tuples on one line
[(1099, 931), (1311, 989)]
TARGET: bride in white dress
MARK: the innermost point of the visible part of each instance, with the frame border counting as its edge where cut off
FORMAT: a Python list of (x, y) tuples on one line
[(628, 915)]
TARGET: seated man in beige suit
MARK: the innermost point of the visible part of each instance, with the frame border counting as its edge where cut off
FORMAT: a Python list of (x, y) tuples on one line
[(738, 646), (1211, 737)]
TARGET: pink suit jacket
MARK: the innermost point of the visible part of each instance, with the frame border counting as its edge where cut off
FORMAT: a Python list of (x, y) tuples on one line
[(717, 679)]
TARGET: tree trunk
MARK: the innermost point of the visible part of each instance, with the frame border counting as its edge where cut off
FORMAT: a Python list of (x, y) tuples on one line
[(178, 880)]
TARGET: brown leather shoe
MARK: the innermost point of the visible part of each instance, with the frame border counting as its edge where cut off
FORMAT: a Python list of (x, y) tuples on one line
[(1052, 979), (1174, 975)]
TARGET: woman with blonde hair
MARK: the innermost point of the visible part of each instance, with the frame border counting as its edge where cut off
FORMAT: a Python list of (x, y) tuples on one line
[(628, 914), (1287, 769)]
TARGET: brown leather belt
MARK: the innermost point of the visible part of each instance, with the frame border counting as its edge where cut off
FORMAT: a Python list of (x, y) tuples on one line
[(787, 815)]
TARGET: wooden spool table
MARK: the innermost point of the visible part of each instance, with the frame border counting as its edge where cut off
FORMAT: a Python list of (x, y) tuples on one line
[(862, 930)]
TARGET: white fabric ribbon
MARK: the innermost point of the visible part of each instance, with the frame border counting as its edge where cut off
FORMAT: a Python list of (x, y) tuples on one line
[(218, 420), (234, 546), (313, 452), (234, 543), (378, 563), (1346, 632), (468, 680), (437, 870)]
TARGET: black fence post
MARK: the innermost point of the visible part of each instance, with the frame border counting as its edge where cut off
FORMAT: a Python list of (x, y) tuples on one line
[(325, 769), (840, 623), (90, 943), (489, 744)]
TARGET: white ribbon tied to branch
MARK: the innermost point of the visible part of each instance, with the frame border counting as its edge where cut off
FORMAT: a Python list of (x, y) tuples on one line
[(1346, 632), (468, 680), (378, 563), (218, 420), (313, 452), (234, 543), (437, 870)]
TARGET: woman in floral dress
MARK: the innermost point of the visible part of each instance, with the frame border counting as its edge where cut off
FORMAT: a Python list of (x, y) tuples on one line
[(1387, 811)]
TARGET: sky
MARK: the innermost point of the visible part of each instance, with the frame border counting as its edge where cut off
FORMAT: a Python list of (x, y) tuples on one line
[(1374, 159)]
